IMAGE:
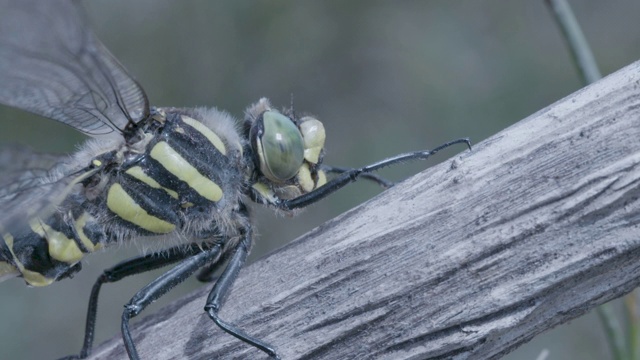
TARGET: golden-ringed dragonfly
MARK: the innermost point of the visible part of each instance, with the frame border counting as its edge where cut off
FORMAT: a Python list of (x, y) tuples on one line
[(166, 174)]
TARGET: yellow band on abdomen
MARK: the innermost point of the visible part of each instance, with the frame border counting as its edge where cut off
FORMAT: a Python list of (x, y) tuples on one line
[(61, 247)]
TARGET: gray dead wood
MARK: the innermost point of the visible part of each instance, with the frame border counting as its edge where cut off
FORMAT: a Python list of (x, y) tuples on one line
[(466, 260)]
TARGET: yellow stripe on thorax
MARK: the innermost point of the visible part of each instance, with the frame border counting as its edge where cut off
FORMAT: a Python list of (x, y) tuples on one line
[(61, 248), (139, 174), (208, 133), (126, 207), (178, 166), (31, 277)]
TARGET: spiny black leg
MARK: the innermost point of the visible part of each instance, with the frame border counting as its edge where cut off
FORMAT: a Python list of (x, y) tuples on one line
[(352, 175), (206, 273), (161, 286), (368, 176), (121, 270), (221, 289)]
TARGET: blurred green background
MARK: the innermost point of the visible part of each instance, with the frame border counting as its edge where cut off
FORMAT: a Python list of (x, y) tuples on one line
[(384, 77)]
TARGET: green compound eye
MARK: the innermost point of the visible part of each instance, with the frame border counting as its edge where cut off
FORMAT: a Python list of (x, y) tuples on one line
[(281, 149)]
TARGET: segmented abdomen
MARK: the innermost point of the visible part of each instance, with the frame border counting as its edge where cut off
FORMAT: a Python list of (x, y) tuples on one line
[(50, 249)]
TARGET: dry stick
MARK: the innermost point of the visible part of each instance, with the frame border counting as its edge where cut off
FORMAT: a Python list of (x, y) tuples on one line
[(588, 69), (471, 258)]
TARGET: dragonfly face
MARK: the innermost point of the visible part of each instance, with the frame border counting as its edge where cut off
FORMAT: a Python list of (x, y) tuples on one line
[(183, 177)]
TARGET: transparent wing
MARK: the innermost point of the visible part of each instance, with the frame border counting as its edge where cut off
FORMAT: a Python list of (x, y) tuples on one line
[(32, 184), (22, 169), (53, 65)]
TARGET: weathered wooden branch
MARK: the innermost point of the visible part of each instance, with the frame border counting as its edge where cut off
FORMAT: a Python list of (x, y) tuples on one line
[(469, 259)]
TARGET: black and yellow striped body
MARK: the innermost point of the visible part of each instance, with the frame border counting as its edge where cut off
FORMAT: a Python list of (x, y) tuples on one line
[(180, 175), (187, 172), (49, 250), (180, 178)]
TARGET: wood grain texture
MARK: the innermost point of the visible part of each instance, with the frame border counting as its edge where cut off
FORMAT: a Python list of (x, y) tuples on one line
[(466, 260)]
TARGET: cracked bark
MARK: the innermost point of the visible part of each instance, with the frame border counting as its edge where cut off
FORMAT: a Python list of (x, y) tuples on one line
[(467, 260)]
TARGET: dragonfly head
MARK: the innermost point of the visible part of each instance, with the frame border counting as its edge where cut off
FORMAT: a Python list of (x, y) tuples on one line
[(286, 151)]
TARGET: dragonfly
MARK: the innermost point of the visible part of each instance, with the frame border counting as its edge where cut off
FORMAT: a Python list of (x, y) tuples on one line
[(185, 178)]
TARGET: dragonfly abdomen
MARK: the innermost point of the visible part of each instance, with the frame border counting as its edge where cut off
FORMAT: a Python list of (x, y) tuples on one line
[(51, 249)]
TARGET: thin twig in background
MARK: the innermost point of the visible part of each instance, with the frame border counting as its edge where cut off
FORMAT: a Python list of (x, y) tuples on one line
[(631, 307), (580, 50), (612, 330)]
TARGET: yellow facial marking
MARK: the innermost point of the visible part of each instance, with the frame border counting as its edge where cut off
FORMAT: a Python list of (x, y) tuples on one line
[(304, 178), (322, 179), (208, 133), (314, 136), (61, 247), (139, 174), (178, 166), (126, 207), (31, 277)]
